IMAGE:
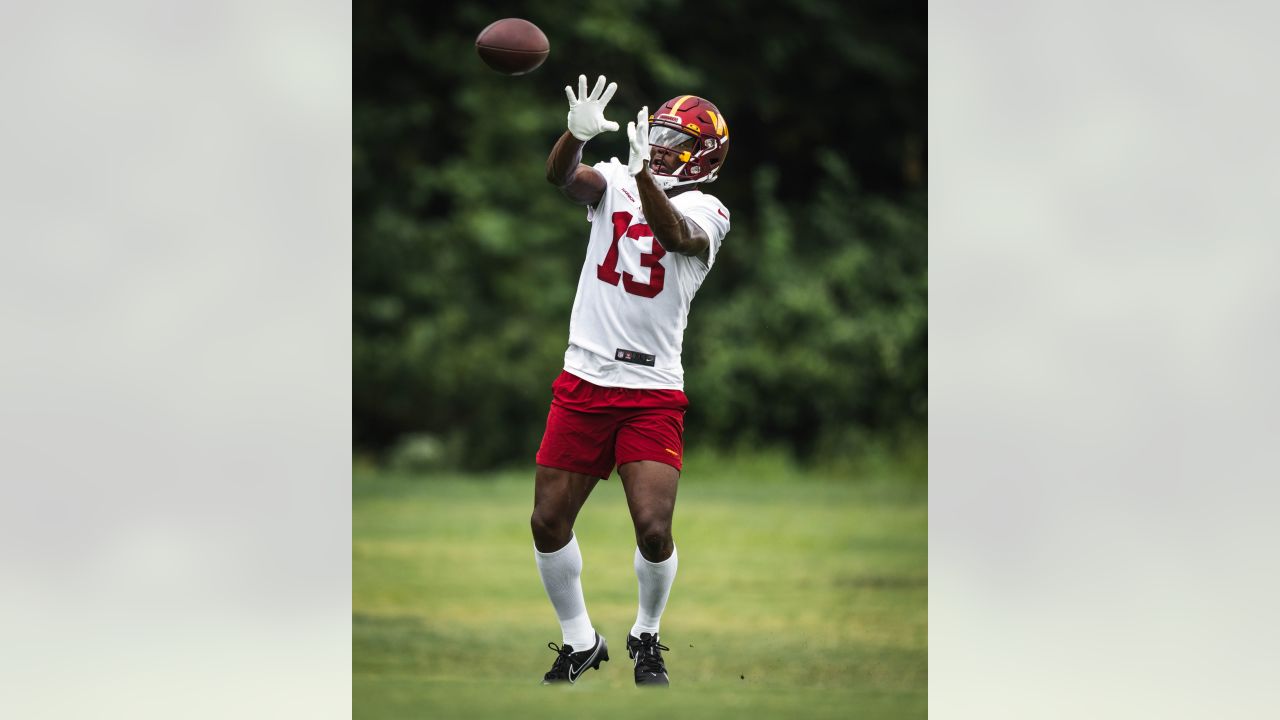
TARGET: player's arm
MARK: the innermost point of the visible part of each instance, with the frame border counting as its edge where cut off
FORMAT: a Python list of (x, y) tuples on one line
[(673, 231), (586, 120), (581, 184)]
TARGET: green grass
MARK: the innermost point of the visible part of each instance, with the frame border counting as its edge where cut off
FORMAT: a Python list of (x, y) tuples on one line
[(797, 596)]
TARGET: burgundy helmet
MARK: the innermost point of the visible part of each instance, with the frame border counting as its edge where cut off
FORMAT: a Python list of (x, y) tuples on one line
[(696, 138)]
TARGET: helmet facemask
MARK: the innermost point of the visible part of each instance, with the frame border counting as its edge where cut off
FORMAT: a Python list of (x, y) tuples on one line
[(683, 156)]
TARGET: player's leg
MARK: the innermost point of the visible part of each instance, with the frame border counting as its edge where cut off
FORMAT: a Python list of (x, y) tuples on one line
[(558, 495), (575, 453), (651, 496)]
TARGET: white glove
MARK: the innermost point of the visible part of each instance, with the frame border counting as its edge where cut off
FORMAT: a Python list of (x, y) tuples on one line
[(586, 113), (638, 136)]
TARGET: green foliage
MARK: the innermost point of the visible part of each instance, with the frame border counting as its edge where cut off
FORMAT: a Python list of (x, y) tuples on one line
[(810, 334)]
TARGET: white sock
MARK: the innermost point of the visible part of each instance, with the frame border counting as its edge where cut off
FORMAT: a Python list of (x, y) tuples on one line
[(655, 584), (561, 573)]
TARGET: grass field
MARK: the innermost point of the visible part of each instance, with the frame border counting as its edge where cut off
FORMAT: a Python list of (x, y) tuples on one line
[(797, 596)]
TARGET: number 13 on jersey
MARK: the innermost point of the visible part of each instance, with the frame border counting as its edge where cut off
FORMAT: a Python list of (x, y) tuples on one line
[(608, 270)]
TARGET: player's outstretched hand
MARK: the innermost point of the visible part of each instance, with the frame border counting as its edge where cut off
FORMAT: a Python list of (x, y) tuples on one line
[(586, 112), (638, 136)]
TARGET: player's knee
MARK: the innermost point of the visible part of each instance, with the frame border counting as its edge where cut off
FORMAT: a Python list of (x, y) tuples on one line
[(549, 532), (654, 540)]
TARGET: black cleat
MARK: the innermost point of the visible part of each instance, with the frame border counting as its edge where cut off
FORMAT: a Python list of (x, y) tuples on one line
[(570, 665), (646, 651)]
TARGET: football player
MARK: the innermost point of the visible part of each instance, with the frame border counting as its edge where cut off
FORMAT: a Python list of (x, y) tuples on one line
[(620, 401)]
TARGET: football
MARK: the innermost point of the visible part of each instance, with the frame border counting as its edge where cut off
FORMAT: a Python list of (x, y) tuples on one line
[(512, 46)]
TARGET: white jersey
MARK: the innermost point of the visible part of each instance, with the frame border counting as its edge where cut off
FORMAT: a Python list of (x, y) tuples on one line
[(632, 305)]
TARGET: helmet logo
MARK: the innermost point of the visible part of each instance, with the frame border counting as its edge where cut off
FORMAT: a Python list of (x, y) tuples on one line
[(718, 123)]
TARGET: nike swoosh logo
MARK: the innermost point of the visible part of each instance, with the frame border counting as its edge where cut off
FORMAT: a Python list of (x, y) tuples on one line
[(573, 675)]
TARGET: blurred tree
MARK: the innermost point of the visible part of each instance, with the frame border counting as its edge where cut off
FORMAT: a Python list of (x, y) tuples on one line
[(811, 331)]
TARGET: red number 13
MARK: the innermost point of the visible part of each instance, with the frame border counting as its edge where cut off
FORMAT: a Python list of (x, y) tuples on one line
[(608, 270)]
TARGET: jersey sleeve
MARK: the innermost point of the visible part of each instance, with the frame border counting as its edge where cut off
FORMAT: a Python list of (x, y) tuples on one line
[(710, 214)]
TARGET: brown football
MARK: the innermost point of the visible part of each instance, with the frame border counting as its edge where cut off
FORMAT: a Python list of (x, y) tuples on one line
[(512, 46)]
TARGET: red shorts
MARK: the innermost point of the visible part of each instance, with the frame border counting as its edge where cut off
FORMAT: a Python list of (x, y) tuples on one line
[(590, 429)]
